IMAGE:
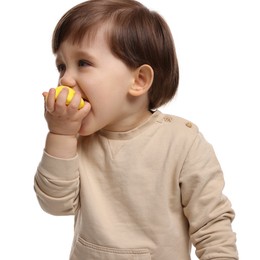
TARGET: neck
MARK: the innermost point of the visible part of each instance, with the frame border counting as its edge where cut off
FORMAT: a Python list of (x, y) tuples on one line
[(130, 122)]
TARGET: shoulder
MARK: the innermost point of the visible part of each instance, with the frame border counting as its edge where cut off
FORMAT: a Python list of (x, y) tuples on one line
[(176, 123), (175, 131), (183, 134)]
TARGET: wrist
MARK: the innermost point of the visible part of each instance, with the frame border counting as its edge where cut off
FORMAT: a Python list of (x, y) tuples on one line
[(62, 146), (62, 135)]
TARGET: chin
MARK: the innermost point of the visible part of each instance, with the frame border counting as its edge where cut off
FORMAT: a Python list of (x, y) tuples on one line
[(87, 130)]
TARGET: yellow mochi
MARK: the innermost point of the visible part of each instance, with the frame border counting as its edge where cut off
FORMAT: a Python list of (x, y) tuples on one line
[(70, 95)]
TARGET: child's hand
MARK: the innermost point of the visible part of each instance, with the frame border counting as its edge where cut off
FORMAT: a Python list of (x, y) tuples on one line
[(64, 117)]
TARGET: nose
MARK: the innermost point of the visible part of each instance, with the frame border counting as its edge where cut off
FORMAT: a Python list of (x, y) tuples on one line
[(67, 80)]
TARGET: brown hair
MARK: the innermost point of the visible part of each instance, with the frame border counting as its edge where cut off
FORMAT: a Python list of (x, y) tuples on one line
[(136, 35)]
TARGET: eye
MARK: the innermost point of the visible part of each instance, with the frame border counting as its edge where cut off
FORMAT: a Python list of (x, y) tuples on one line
[(84, 63), (61, 68)]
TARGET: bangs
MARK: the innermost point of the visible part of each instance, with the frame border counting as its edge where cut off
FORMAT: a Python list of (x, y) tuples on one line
[(76, 25)]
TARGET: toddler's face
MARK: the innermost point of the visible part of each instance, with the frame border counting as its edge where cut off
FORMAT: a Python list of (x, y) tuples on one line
[(101, 78)]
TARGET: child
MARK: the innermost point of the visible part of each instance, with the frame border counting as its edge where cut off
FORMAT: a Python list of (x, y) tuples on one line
[(141, 184)]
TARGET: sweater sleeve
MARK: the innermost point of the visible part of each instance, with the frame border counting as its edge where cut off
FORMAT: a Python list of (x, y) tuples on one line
[(208, 211), (56, 184)]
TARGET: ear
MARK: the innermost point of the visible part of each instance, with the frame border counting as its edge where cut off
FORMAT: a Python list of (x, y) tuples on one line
[(143, 79)]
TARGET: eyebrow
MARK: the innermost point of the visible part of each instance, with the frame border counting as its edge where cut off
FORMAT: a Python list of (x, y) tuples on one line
[(79, 54), (85, 54)]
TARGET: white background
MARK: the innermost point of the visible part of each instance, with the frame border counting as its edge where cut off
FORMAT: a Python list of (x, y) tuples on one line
[(218, 47)]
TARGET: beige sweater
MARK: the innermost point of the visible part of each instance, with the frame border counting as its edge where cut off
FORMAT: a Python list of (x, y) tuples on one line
[(141, 195)]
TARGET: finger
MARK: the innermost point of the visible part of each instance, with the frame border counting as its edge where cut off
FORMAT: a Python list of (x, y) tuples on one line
[(86, 109), (75, 101), (50, 100), (61, 101), (45, 94)]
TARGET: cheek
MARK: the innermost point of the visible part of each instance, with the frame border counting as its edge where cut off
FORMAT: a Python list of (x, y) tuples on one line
[(106, 96), (108, 91)]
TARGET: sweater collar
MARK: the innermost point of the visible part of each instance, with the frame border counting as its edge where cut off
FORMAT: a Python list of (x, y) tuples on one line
[(155, 117)]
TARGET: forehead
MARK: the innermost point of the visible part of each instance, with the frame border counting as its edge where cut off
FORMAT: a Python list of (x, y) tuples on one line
[(99, 34), (91, 45), (78, 31)]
